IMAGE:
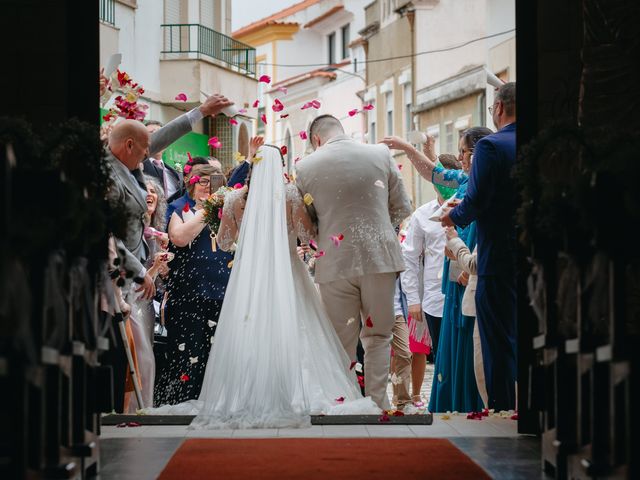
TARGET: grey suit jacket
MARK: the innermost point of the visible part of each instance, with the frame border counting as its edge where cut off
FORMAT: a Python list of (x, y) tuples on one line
[(168, 134), (357, 192), (125, 190)]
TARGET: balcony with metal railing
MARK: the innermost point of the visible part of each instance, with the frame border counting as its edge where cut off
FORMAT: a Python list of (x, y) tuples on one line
[(108, 11), (195, 41)]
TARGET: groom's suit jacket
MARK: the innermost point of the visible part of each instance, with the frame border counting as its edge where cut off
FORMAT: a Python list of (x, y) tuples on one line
[(356, 191)]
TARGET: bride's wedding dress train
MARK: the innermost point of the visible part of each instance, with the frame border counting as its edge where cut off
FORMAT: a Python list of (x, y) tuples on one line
[(276, 358)]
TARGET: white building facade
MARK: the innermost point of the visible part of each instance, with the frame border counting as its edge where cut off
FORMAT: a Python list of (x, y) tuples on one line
[(183, 46)]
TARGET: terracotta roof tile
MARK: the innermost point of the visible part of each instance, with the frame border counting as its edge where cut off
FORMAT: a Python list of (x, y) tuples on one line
[(324, 16), (273, 19)]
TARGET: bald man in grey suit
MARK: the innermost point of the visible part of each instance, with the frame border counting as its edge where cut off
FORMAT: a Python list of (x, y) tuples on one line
[(356, 195)]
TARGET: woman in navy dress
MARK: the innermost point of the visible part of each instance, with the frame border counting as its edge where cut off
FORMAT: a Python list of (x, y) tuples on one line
[(196, 287)]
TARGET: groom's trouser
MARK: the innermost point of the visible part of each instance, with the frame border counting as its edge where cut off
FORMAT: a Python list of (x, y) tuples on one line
[(371, 296)]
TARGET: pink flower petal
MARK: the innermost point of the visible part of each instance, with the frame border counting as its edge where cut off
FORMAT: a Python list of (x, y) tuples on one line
[(256, 103), (303, 135), (283, 150), (340, 399), (181, 97), (368, 107), (263, 117), (184, 377), (214, 142), (277, 106), (383, 418), (233, 121), (265, 79), (296, 160), (368, 322), (353, 112), (284, 115)]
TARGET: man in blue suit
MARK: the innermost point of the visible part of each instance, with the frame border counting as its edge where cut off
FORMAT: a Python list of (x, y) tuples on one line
[(490, 201)]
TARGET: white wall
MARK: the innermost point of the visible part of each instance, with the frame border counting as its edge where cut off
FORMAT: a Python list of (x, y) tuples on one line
[(449, 23)]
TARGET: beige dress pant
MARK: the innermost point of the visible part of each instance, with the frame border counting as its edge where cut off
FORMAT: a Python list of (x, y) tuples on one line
[(402, 359), (367, 297), (478, 366)]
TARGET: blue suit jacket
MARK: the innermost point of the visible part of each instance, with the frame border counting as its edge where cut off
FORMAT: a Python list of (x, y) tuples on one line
[(490, 201), (177, 206), (239, 174)]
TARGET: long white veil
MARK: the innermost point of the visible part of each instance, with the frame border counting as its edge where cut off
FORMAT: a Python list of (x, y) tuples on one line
[(253, 375)]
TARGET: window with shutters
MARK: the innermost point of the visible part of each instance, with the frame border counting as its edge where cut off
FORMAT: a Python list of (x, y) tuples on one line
[(207, 13)]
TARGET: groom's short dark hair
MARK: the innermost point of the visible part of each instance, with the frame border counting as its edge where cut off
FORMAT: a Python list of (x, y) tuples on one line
[(324, 123)]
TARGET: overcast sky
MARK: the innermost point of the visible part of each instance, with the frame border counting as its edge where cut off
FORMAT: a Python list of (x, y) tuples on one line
[(244, 12)]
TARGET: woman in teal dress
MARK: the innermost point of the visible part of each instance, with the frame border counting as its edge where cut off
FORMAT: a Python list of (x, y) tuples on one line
[(454, 385)]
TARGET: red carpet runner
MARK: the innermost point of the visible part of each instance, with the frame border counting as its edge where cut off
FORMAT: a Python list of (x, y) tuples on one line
[(329, 458)]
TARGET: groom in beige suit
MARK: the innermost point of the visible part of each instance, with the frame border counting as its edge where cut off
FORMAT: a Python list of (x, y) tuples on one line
[(355, 194)]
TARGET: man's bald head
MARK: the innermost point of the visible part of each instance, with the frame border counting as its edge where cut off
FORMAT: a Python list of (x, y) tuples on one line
[(129, 142)]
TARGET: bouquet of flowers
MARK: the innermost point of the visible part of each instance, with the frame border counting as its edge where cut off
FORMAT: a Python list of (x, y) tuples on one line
[(212, 207), (125, 105)]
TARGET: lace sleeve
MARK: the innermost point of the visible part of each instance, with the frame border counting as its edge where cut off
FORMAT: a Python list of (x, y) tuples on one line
[(303, 227), (229, 224)]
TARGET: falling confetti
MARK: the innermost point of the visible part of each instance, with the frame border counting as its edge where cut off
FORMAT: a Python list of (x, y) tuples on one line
[(368, 322), (256, 103), (214, 142), (238, 157), (368, 107), (308, 199), (277, 106), (256, 160), (284, 115), (312, 104), (353, 112), (263, 117), (264, 79), (336, 239), (233, 121), (303, 135), (283, 150), (340, 399)]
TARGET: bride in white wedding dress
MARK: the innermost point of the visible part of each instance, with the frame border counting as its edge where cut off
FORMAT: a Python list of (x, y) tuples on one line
[(276, 358)]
